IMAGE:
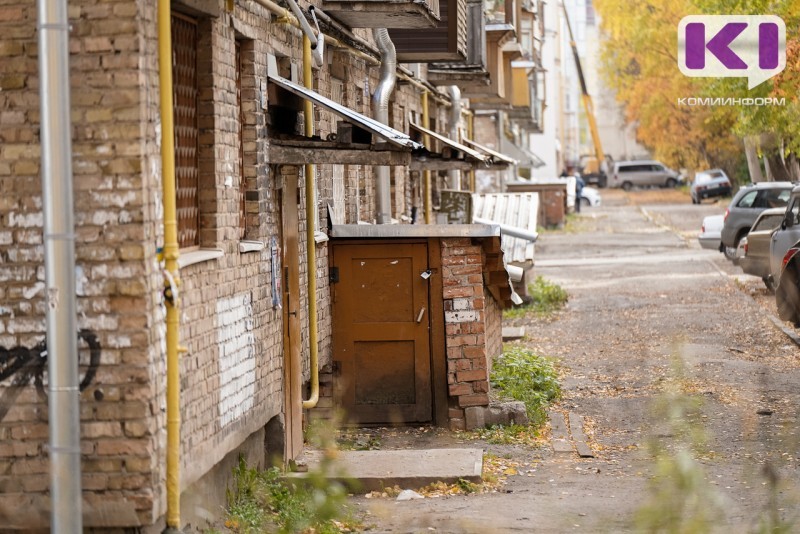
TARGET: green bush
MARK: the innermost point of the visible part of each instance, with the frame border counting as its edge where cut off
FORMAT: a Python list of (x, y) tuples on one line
[(521, 375), (546, 298)]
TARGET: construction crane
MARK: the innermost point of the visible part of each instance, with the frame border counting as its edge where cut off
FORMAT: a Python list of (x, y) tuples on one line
[(592, 171)]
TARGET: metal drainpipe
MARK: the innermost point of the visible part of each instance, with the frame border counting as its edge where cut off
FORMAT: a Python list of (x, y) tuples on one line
[(426, 175), (171, 269), (311, 245), (59, 246), (454, 175), (380, 105)]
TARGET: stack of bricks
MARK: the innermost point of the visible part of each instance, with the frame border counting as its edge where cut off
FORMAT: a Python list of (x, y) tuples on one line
[(465, 327)]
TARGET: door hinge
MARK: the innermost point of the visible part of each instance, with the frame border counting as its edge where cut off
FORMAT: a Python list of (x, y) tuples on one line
[(333, 275)]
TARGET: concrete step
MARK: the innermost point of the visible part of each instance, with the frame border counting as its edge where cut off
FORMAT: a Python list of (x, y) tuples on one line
[(408, 469)]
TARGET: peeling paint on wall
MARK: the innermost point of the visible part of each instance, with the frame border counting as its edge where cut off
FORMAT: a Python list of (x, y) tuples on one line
[(237, 357)]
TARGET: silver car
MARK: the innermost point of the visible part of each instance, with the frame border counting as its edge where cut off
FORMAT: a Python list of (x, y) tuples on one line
[(627, 174), (745, 207), (786, 236), (709, 184)]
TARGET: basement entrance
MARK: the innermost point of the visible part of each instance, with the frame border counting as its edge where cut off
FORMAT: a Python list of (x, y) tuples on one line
[(381, 335)]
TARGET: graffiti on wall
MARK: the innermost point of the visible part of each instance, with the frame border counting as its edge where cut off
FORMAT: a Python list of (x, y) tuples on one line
[(19, 366), (237, 357)]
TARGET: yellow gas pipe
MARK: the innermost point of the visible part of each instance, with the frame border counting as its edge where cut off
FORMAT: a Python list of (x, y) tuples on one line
[(311, 250), (171, 249), (471, 135), (426, 174)]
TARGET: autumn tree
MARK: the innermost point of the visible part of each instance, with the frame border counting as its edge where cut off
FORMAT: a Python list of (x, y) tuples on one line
[(640, 62)]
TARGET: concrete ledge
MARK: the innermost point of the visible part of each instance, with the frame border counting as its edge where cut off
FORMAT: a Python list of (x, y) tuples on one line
[(365, 471), (506, 413)]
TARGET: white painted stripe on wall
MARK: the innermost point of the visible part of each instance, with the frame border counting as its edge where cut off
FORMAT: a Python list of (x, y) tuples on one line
[(237, 357)]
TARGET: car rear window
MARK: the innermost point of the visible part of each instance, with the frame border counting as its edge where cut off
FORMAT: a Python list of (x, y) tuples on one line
[(747, 200), (702, 178), (768, 222)]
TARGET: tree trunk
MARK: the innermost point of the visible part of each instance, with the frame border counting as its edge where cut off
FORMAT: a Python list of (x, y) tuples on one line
[(778, 167), (753, 163), (772, 148), (794, 167)]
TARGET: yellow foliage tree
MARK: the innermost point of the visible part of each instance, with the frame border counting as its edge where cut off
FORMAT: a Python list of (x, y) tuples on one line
[(640, 63)]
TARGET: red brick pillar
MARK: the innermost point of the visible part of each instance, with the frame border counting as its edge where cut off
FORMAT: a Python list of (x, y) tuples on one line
[(464, 301)]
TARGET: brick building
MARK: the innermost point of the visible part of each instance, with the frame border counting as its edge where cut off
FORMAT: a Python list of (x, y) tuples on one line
[(236, 210)]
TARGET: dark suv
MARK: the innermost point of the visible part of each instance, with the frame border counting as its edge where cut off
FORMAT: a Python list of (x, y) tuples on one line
[(745, 207)]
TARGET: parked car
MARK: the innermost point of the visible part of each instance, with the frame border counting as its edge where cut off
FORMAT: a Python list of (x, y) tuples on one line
[(709, 237), (745, 207), (755, 259), (590, 197), (787, 290), (786, 236), (709, 184), (627, 174)]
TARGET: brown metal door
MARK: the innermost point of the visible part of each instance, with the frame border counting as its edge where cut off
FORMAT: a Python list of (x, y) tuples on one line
[(381, 338)]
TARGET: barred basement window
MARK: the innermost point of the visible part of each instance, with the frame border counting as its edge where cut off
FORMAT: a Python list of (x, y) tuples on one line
[(187, 168), (240, 134)]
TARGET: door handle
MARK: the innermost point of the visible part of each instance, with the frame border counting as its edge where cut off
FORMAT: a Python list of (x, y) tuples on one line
[(420, 314)]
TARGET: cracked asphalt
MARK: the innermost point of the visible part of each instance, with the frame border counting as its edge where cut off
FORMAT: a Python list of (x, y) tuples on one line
[(669, 355)]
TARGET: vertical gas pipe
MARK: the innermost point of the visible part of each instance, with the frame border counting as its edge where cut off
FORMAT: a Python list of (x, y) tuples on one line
[(426, 175), (59, 262), (380, 106), (311, 244), (172, 280)]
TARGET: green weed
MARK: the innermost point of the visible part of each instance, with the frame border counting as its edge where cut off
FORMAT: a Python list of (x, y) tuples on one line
[(265, 501), (521, 375), (546, 298)]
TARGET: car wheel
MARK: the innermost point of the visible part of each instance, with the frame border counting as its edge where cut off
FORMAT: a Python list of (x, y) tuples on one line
[(671, 183), (786, 296), (769, 282), (627, 186), (730, 252), (585, 202), (695, 200)]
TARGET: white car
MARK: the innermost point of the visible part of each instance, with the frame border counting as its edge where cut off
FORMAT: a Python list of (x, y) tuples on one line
[(590, 197), (710, 232)]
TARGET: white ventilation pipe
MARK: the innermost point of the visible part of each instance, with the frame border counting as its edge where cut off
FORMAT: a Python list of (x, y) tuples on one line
[(454, 175), (380, 112)]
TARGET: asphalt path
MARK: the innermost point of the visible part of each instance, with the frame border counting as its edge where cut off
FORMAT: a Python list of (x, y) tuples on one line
[(687, 390)]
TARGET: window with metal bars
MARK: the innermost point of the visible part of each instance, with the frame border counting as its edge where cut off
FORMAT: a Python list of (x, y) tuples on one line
[(187, 168), (240, 135)]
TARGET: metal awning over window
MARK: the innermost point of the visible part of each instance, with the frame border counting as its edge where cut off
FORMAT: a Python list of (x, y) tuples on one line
[(396, 150), (496, 156), (453, 156), (524, 157)]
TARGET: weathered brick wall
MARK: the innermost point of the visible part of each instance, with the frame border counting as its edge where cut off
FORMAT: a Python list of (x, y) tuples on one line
[(231, 374), (118, 425), (486, 133), (465, 327), (494, 327)]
